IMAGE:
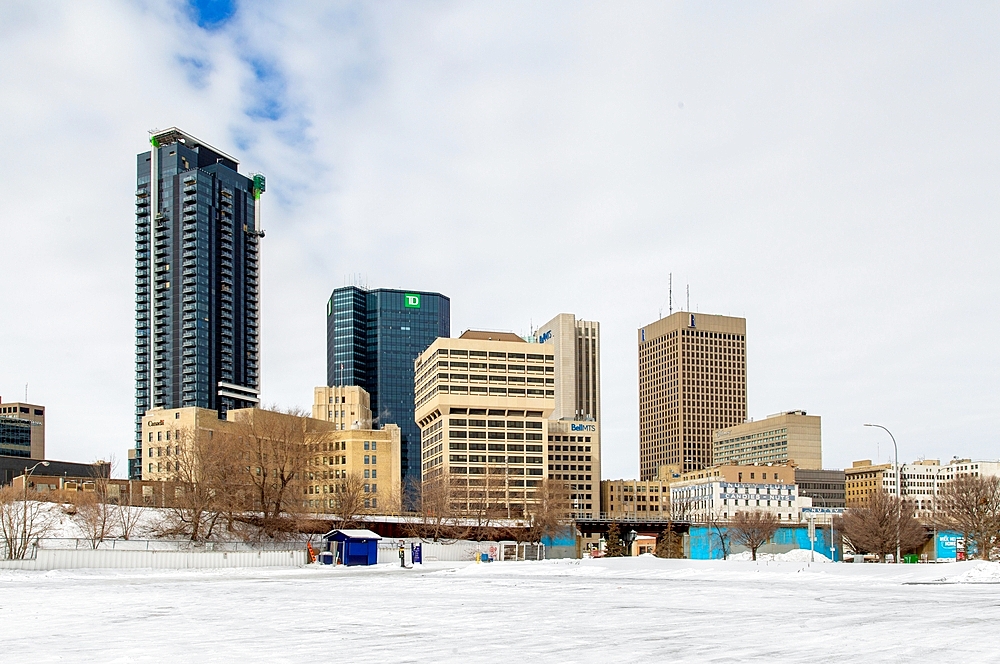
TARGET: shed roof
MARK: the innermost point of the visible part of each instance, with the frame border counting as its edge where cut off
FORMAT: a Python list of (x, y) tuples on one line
[(353, 533)]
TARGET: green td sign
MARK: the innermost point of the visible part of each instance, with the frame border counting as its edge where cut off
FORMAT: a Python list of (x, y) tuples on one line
[(411, 300)]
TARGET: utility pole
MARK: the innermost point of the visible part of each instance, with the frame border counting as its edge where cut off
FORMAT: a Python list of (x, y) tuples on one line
[(899, 491)]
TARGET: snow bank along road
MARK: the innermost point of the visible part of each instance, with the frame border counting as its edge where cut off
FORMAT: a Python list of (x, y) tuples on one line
[(618, 610)]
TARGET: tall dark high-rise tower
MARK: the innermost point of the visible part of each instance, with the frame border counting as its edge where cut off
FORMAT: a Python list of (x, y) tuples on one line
[(197, 231), (372, 340)]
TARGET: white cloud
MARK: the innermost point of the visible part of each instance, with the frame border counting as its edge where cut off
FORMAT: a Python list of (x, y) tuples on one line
[(827, 172)]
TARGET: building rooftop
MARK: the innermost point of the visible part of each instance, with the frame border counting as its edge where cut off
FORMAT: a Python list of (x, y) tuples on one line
[(175, 135), (484, 335)]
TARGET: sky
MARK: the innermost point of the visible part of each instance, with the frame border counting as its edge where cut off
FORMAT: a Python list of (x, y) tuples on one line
[(826, 170)]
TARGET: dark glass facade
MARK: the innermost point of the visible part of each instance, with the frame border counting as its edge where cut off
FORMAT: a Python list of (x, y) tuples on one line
[(196, 261), (372, 339), (15, 437)]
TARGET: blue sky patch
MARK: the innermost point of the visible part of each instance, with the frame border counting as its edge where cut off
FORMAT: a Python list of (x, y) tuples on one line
[(267, 91), (211, 14), (196, 70)]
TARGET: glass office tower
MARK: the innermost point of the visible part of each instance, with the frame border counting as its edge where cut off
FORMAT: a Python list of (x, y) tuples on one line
[(196, 233), (372, 340)]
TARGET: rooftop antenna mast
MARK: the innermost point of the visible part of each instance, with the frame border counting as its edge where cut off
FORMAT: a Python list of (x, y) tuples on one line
[(689, 297), (670, 288)]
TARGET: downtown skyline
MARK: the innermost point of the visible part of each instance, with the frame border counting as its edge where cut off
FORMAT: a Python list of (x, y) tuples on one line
[(810, 198)]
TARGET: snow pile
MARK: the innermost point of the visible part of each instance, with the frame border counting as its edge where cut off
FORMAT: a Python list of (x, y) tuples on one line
[(64, 522), (983, 572), (793, 556)]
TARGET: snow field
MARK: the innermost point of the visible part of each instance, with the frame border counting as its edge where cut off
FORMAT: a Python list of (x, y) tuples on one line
[(617, 610)]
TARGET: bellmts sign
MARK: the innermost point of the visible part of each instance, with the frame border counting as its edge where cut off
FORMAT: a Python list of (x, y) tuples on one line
[(411, 300), (582, 427)]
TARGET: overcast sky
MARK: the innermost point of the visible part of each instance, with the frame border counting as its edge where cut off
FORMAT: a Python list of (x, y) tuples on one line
[(826, 170)]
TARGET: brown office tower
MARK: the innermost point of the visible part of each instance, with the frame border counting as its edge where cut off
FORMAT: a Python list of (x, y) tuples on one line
[(692, 382)]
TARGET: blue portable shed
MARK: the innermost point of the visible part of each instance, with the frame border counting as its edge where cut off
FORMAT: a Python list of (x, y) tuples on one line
[(354, 546)]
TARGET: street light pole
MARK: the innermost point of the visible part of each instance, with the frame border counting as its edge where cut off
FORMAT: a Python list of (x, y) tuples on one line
[(899, 492), (24, 505)]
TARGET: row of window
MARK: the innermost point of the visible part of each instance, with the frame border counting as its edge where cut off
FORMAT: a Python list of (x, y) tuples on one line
[(492, 458), (478, 470), (494, 435), (495, 424), (20, 409), (530, 357), (494, 447)]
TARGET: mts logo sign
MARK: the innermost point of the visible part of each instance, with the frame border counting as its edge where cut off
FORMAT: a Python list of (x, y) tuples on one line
[(582, 427), (411, 300)]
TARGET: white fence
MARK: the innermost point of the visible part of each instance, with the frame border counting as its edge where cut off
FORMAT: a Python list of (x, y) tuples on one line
[(48, 559), (168, 544), (459, 550)]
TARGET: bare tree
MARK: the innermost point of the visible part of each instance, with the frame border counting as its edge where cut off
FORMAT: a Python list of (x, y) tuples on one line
[(95, 509), (753, 529), (96, 517), (719, 529), (970, 504), (274, 445), (549, 513), (483, 511), (349, 500), (22, 521), (437, 518), (873, 528), (128, 515), (203, 470)]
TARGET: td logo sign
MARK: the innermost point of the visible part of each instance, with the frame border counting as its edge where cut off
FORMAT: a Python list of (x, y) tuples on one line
[(411, 300)]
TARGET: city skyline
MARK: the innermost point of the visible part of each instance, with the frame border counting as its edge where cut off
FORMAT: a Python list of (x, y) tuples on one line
[(781, 164)]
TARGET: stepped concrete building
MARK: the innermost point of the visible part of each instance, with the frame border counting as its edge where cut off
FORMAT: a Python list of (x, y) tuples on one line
[(482, 404)]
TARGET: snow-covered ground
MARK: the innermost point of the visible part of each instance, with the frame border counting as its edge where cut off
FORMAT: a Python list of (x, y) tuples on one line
[(617, 610)]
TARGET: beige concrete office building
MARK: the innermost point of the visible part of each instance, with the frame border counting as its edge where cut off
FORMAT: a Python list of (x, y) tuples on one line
[(635, 499), (692, 382), (576, 417), (792, 437), (577, 350), (574, 457), (337, 460), (482, 402), (862, 478), (32, 413), (347, 406)]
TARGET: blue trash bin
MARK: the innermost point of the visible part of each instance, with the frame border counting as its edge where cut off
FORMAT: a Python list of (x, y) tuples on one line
[(326, 558)]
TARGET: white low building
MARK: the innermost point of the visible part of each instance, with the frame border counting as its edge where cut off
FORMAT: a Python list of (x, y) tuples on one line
[(714, 499), (923, 480)]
